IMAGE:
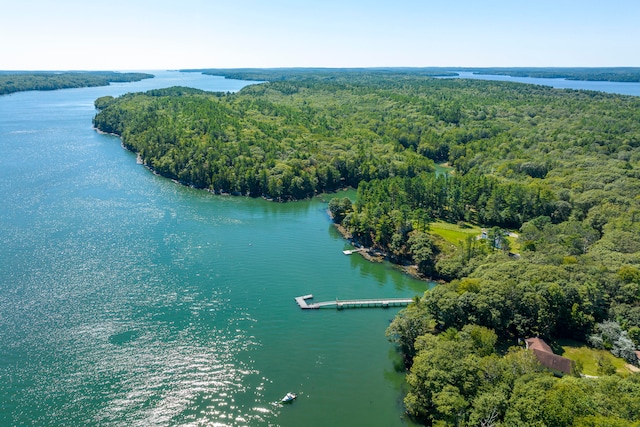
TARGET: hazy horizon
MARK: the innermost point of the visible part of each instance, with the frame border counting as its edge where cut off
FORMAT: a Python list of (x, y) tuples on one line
[(380, 67)]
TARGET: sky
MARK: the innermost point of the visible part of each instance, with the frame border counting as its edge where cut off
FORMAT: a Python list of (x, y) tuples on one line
[(163, 34)]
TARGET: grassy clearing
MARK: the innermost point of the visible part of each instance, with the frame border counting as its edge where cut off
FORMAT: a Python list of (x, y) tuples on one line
[(454, 233), (589, 357), (514, 244)]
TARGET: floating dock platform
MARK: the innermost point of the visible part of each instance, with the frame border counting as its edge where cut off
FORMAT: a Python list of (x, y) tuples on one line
[(353, 303)]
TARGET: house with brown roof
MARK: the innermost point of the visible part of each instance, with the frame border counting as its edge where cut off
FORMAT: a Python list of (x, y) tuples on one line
[(557, 364)]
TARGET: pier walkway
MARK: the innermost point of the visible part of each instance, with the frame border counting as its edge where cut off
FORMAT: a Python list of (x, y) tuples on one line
[(354, 303), (353, 251)]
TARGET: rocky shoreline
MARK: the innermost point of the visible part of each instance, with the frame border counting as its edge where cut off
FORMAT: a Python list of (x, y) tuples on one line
[(377, 255)]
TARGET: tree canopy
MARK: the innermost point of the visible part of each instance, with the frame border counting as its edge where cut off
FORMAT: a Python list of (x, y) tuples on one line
[(557, 167), (11, 82)]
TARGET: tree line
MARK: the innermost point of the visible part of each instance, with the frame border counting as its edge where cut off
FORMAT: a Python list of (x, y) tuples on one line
[(607, 74), (612, 74), (11, 82)]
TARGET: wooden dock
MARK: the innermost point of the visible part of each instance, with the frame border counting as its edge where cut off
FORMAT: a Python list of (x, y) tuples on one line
[(352, 251), (353, 303)]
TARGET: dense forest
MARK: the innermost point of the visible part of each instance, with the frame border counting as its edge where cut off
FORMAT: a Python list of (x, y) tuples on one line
[(272, 140), (558, 167), (19, 81)]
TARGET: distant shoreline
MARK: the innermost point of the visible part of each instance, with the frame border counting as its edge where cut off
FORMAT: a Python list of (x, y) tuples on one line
[(25, 81)]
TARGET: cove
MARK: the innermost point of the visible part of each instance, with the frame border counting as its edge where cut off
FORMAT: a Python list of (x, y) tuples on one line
[(127, 299)]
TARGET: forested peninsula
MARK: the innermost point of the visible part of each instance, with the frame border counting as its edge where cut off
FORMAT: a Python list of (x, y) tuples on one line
[(559, 169), (607, 74), (18, 81)]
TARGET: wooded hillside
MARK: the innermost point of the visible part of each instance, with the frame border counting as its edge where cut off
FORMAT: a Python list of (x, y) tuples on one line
[(561, 168)]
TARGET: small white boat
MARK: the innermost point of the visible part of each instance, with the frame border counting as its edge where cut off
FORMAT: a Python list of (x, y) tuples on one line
[(288, 398)]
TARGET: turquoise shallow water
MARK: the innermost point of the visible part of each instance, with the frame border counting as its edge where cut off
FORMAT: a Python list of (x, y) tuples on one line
[(126, 299)]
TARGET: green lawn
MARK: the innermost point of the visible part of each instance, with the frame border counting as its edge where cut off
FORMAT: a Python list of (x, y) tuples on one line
[(454, 233), (514, 244), (457, 234), (589, 356)]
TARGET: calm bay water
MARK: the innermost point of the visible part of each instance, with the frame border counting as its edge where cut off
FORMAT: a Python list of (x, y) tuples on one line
[(126, 299), (622, 88)]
